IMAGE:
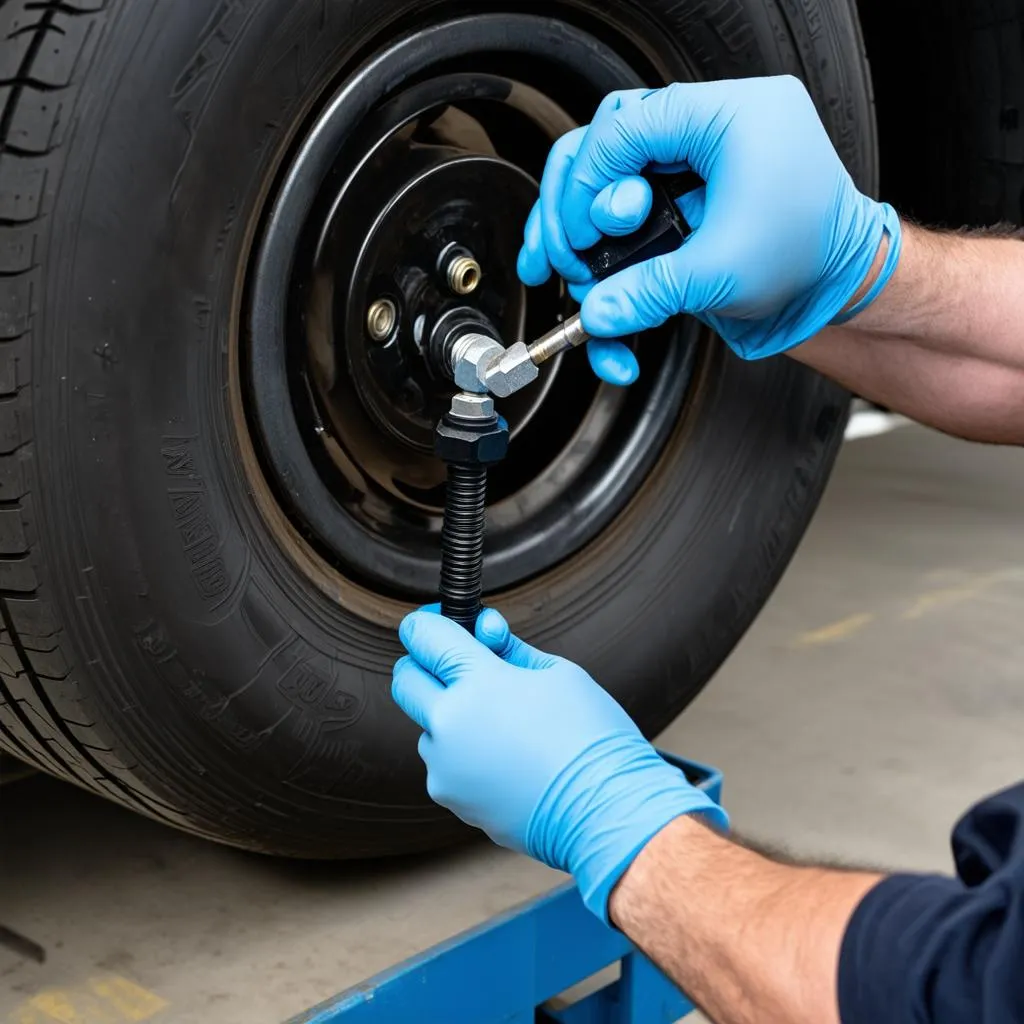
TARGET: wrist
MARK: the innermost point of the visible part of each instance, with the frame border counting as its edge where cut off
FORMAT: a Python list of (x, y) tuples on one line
[(603, 809), (690, 841), (918, 289), (745, 936)]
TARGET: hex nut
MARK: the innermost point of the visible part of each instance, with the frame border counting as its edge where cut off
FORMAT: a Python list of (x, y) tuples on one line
[(472, 406), (454, 442)]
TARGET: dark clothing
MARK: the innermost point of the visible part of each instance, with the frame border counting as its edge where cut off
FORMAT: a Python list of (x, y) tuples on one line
[(926, 949)]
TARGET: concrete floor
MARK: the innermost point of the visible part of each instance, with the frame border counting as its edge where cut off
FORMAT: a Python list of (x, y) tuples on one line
[(877, 696)]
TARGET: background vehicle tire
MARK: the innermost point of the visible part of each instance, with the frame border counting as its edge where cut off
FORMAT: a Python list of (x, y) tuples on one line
[(182, 630), (949, 81)]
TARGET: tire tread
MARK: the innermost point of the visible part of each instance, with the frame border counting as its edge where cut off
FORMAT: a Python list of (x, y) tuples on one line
[(45, 46)]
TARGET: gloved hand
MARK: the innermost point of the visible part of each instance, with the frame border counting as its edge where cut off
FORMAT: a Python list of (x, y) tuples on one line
[(527, 747), (783, 237)]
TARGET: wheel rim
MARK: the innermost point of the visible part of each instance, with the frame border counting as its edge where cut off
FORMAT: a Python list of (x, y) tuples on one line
[(347, 282)]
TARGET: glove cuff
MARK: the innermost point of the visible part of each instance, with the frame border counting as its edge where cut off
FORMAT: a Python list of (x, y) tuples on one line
[(805, 317), (602, 810), (892, 228)]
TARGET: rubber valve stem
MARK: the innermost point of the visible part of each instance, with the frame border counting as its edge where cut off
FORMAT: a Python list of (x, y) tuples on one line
[(469, 438), (462, 543)]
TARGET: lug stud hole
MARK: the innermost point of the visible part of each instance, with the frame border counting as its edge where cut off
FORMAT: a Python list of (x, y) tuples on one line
[(381, 318), (464, 275)]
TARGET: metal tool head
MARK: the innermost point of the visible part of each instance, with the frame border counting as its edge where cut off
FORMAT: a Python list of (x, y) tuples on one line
[(471, 355), (513, 370)]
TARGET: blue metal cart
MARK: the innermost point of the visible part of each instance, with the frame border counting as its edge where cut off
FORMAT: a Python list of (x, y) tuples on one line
[(511, 968)]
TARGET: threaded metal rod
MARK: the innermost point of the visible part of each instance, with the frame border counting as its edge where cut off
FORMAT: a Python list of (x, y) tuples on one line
[(462, 543)]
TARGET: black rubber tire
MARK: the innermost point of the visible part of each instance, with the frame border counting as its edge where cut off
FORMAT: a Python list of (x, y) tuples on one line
[(949, 83), (222, 692)]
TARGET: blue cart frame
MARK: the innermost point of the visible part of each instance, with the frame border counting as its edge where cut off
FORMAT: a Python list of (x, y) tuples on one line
[(505, 970)]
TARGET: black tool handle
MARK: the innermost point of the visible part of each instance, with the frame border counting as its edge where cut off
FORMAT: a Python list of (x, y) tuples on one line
[(664, 230)]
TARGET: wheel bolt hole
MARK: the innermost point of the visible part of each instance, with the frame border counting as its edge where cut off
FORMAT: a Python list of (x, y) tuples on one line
[(464, 275), (381, 318)]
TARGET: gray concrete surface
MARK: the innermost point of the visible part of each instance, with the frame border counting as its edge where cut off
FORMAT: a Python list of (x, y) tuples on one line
[(877, 696)]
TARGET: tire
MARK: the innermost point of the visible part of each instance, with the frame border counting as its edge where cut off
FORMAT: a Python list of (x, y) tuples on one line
[(949, 82), (162, 645)]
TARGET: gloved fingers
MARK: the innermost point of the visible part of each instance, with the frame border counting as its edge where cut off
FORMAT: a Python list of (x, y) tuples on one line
[(646, 295), (442, 647), (580, 291), (425, 748), (434, 609), (520, 654), (560, 254), (692, 206), (493, 630), (612, 361), (664, 127), (622, 206), (415, 691), (590, 172), (532, 265)]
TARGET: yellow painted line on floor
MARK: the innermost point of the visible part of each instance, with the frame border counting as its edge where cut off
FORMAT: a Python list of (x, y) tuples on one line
[(108, 999), (134, 1002), (835, 631), (972, 587)]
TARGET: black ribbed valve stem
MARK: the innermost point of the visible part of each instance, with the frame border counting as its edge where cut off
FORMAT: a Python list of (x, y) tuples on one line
[(470, 437), (462, 543)]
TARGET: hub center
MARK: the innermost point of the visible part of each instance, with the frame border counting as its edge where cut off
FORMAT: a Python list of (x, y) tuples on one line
[(437, 250)]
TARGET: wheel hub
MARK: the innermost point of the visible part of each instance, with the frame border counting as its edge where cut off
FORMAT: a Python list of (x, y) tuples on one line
[(392, 218), (434, 249)]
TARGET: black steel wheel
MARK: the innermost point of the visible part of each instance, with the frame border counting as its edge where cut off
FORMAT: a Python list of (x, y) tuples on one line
[(221, 293), (380, 191)]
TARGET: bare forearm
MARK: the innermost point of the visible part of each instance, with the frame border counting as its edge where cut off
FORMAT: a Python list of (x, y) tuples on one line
[(746, 938), (944, 342)]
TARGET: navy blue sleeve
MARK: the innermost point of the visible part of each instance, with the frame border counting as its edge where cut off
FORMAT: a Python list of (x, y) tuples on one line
[(926, 949)]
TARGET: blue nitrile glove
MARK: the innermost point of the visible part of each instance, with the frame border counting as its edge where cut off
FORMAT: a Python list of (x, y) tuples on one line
[(783, 237), (610, 359), (527, 747)]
